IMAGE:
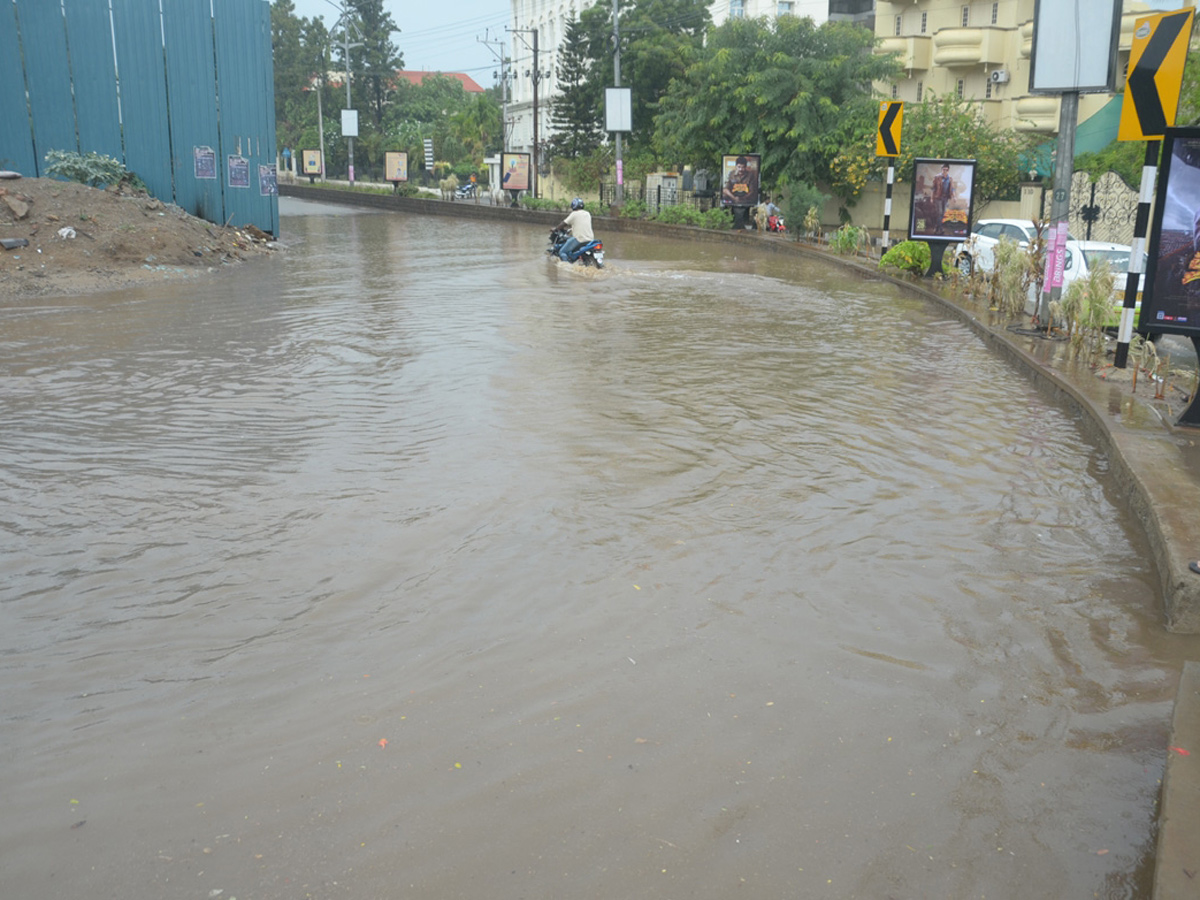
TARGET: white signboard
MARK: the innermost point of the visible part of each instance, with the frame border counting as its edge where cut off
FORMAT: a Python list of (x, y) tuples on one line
[(1075, 46), (618, 109), (349, 123)]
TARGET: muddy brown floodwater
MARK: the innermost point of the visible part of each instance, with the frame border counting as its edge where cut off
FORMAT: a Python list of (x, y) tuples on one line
[(413, 564)]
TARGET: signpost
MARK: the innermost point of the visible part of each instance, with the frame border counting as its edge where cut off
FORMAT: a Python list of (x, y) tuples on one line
[(887, 143), (1156, 57)]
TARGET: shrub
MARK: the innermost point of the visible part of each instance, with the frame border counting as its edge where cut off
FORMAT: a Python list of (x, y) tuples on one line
[(717, 219), (633, 209), (682, 214), (913, 257), (94, 169), (848, 239)]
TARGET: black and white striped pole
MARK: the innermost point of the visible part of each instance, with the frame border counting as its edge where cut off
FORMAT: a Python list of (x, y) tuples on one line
[(1137, 254), (887, 207), (1157, 54), (887, 143)]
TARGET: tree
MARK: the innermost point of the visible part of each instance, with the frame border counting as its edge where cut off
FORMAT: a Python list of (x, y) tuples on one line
[(300, 50), (940, 128), (377, 61), (659, 39), (575, 112), (792, 91)]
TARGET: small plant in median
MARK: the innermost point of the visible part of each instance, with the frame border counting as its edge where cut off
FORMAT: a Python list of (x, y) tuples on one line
[(913, 257), (848, 239)]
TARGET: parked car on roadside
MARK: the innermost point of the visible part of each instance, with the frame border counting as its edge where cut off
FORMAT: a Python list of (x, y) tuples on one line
[(978, 250)]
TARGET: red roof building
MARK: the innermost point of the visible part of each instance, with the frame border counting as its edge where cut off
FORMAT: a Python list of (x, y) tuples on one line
[(469, 84)]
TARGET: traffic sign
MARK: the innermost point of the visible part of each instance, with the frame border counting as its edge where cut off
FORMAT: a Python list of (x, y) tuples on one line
[(1156, 57), (887, 138)]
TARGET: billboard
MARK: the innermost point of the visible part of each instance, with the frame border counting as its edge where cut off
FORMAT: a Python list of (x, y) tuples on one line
[(515, 169), (739, 179), (942, 199), (1171, 301), (310, 162), (1074, 46), (395, 165)]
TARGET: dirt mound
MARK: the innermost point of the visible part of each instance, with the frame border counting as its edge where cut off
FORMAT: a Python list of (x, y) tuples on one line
[(83, 239)]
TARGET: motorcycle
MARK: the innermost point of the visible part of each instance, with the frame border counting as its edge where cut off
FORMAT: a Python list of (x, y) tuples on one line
[(466, 192), (589, 254), (775, 223)]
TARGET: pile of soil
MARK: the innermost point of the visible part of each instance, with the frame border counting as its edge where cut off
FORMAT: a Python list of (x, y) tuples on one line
[(83, 239)]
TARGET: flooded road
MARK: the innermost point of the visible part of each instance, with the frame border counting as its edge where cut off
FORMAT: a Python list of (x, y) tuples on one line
[(413, 564)]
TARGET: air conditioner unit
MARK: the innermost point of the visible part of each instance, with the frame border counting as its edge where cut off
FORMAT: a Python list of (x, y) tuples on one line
[(999, 76)]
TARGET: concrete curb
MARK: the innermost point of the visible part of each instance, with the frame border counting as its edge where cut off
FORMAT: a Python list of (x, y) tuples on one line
[(1177, 862)]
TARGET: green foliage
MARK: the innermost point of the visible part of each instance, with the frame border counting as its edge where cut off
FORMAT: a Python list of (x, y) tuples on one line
[(680, 214), (849, 240), (1091, 300), (798, 200), (92, 169), (659, 39), (717, 219), (812, 222), (575, 113), (940, 128), (633, 209), (1123, 157), (1014, 273), (785, 88), (913, 257)]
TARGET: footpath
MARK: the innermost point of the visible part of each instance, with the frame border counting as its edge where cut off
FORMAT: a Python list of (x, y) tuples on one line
[(1155, 462)]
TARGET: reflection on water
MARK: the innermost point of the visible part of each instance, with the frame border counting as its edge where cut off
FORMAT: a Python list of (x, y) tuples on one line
[(414, 563)]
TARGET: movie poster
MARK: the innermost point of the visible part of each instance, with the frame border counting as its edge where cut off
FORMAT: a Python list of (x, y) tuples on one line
[(739, 179), (268, 181), (1171, 301), (942, 199), (204, 160)]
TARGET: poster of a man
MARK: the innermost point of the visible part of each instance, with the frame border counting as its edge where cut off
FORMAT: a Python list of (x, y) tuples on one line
[(741, 180), (943, 191)]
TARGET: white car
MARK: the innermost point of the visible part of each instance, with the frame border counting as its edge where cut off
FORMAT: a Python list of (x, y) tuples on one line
[(978, 250)]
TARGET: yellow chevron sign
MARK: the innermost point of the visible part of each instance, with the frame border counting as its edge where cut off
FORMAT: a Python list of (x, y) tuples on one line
[(1156, 57), (887, 138)]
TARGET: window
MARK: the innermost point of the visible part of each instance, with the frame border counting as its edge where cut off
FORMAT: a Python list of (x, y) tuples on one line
[(987, 91), (995, 13), (920, 90), (966, 16), (960, 89), (899, 24), (784, 7), (737, 9), (895, 91), (924, 21)]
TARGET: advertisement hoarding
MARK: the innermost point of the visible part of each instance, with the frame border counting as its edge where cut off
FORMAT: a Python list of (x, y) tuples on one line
[(942, 199), (739, 179), (515, 169), (1171, 301), (395, 165)]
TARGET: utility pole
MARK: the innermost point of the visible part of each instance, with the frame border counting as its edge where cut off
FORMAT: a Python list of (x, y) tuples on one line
[(503, 87), (537, 76), (616, 38), (347, 23)]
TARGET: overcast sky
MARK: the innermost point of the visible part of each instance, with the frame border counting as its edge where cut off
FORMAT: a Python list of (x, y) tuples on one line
[(439, 38)]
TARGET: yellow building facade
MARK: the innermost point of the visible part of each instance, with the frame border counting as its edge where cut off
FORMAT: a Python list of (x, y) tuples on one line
[(980, 50)]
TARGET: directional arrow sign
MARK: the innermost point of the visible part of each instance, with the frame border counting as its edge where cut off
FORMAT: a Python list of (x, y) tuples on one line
[(887, 140), (1156, 57)]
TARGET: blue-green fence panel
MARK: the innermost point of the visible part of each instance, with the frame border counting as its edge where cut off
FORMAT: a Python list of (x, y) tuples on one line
[(242, 33), (94, 76), (16, 135), (192, 91), (137, 36), (158, 106), (48, 78)]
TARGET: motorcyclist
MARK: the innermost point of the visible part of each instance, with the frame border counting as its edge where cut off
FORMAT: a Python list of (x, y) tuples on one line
[(579, 223)]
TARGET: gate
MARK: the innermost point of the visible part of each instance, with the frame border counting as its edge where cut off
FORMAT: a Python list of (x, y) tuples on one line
[(1103, 211), (182, 96)]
